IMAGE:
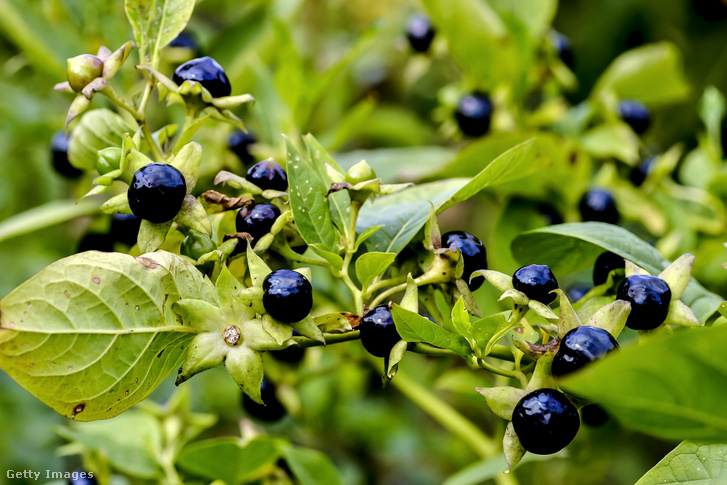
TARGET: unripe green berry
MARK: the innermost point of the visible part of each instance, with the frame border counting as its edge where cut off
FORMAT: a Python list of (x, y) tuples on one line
[(108, 160), (361, 172), (82, 70)]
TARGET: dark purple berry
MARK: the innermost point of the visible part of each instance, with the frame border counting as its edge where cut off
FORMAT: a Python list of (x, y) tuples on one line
[(125, 228), (650, 298), (474, 254), (156, 192), (59, 154), (185, 40), (378, 331), (474, 114), (605, 263), (207, 72), (545, 421), (94, 241), (82, 477), (420, 33), (256, 220), (273, 410), (288, 295), (239, 142), (562, 46), (635, 114), (268, 175), (593, 415), (638, 174), (599, 206), (582, 346), (536, 281)]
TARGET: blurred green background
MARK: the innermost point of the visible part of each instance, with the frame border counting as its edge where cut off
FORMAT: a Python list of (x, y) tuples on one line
[(343, 71)]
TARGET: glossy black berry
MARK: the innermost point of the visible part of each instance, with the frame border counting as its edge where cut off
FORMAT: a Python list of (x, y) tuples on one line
[(156, 192), (82, 477), (562, 46), (420, 33), (378, 331), (255, 220), (59, 155), (638, 174), (239, 143), (582, 346), (125, 228), (474, 114), (273, 410), (599, 206), (474, 254), (288, 295), (593, 415), (605, 263), (536, 281), (635, 114), (545, 421), (650, 298), (184, 40), (551, 214), (207, 72), (268, 175)]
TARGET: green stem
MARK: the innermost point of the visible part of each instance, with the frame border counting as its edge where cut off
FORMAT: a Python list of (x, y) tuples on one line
[(350, 251), (109, 92), (425, 279), (330, 338), (377, 285), (283, 249)]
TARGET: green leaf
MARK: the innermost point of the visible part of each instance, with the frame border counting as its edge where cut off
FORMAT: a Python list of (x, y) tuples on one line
[(246, 368), (311, 467), (516, 163), (484, 470), (131, 442), (98, 129), (690, 463), (712, 106), (415, 328), (373, 264), (400, 164), (46, 215), (333, 258), (156, 23), (653, 74), (403, 215), (226, 459), (461, 319), (365, 234), (94, 333), (572, 247), (308, 200), (535, 15), (679, 397), (612, 140), (484, 329)]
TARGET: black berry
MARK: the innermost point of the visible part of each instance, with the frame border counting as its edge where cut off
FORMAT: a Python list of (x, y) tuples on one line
[(125, 228), (288, 295), (82, 477), (635, 114), (638, 174), (577, 292), (593, 415), (420, 33), (208, 73), (268, 175), (378, 332), (605, 263), (474, 254), (59, 154), (185, 40), (273, 410), (156, 192), (474, 114), (582, 346), (239, 142), (94, 241), (255, 220), (545, 421), (536, 281), (562, 46), (550, 213), (599, 206), (650, 298)]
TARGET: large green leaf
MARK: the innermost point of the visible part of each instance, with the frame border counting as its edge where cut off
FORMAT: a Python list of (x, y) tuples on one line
[(671, 387), (94, 333), (308, 200), (404, 164), (98, 129), (652, 73), (156, 23), (690, 463), (535, 15), (226, 459), (415, 328), (572, 247), (311, 467), (372, 264)]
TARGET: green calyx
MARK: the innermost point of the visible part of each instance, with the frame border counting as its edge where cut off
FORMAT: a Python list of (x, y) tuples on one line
[(82, 70)]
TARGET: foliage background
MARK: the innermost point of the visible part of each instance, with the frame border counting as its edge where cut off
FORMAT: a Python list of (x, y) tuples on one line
[(382, 97)]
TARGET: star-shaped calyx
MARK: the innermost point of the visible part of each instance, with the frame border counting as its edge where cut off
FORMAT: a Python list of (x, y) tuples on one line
[(521, 302)]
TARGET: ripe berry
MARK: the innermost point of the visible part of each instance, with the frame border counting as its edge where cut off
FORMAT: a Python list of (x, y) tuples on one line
[(593, 415), (474, 254), (599, 206), (156, 192), (536, 281), (125, 228), (581, 346), (635, 114), (273, 410), (255, 220), (577, 292), (82, 477), (207, 72), (185, 40), (474, 114), (268, 175), (563, 48), (650, 298), (638, 174), (545, 421), (288, 295), (378, 332), (420, 33), (59, 153), (605, 263), (239, 142), (94, 241)]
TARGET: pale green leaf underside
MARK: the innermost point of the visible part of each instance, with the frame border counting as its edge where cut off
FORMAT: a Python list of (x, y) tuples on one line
[(157, 22), (94, 333), (690, 464)]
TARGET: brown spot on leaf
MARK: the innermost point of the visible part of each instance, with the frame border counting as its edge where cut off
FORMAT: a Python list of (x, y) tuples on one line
[(338, 186), (79, 409), (66, 294), (214, 201), (147, 263), (573, 158), (96, 280), (160, 354), (353, 319)]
